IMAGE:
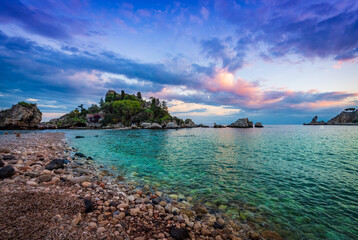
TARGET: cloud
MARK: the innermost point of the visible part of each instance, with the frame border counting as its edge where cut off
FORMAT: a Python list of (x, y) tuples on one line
[(39, 21), (323, 29), (32, 100), (180, 108), (218, 49)]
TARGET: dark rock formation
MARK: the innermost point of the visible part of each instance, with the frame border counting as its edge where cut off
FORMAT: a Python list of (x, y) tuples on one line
[(79, 154), (203, 126), (1, 163), (55, 164), (7, 171), (179, 233), (258, 125), (80, 137), (242, 123), (20, 116), (315, 122)]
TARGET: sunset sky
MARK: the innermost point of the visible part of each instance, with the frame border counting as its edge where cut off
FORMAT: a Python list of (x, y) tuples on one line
[(279, 62)]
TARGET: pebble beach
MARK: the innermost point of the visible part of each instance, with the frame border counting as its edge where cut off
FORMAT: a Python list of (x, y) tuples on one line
[(54, 192)]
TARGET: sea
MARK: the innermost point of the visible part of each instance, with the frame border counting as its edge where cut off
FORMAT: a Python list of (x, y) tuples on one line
[(300, 181)]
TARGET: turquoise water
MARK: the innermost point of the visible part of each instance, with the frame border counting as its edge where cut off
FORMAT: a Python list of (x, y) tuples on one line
[(301, 181)]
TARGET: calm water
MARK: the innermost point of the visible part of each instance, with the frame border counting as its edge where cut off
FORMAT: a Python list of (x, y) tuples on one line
[(301, 181)]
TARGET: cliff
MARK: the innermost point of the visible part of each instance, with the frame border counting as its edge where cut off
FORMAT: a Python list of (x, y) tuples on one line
[(20, 116)]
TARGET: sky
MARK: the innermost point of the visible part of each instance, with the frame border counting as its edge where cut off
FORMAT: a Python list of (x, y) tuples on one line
[(274, 61)]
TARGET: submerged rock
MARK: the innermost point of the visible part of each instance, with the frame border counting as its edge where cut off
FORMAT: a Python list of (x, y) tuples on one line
[(78, 154), (7, 171), (242, 123), (200, 208), (80, 137), (55, 164), (179, 233), (271, 235)]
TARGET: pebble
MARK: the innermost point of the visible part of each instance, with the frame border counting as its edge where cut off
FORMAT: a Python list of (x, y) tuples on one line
[(101, 230), (92, 225), (86, 184), (31, 183)]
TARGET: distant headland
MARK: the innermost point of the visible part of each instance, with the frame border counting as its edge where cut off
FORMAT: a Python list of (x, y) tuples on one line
[(347, 117), (115, 111)]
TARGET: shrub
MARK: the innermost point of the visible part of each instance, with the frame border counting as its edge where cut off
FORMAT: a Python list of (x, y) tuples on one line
[(27, 105)]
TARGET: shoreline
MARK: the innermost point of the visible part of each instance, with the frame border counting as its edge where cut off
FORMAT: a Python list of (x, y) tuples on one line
[(122, 210)]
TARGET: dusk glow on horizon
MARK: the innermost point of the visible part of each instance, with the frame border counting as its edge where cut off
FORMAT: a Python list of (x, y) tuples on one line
[(279, 62)]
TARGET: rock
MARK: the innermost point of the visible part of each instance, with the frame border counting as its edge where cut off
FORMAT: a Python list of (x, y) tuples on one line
[(7, 171), (89, 207), (171, 125), (78, 154), (4, 150), (2, 163), (80, 137), (347, 117), (92, 225), (205, 231), (100, 230), (57, 218), (76, 220), (55, 164), (218, 225), (218, 126), (31, 183), (45, 178), (179, 233), (258, 125), (80, 179), (203, 126), (200, 208), (134, 211), (315, 122), (151, 125), (86, 184), (271, 235), (20, 116), (188, 123), (241, 123), (8, 157)]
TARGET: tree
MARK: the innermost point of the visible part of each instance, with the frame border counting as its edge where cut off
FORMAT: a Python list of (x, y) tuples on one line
[(81, 107), (139, 96), (122, 95), (101, 102), (93, 109), (164, 106)]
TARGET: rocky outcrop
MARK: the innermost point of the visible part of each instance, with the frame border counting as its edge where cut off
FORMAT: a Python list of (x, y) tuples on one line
[(259, 125), (190, 124), (20, 116), (219, 126), (171, 125), (315, 122), (345, 118), (203, 126), (242, 123), (151, 125)]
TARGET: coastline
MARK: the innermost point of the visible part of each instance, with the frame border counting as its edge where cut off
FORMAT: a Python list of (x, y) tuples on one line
[(122, 210)]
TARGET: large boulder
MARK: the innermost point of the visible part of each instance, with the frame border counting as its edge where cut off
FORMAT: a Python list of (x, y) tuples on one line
[(172, 125), (150, 125), (258, 125), (20, 116), (242, 123), (7, 171), (315, 122)]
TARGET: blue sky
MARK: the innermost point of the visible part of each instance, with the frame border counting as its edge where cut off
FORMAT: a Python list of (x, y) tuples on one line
[(213, 61)]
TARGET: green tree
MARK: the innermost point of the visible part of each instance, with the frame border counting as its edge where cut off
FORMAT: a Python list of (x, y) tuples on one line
[(101, 102), (139, 96)]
